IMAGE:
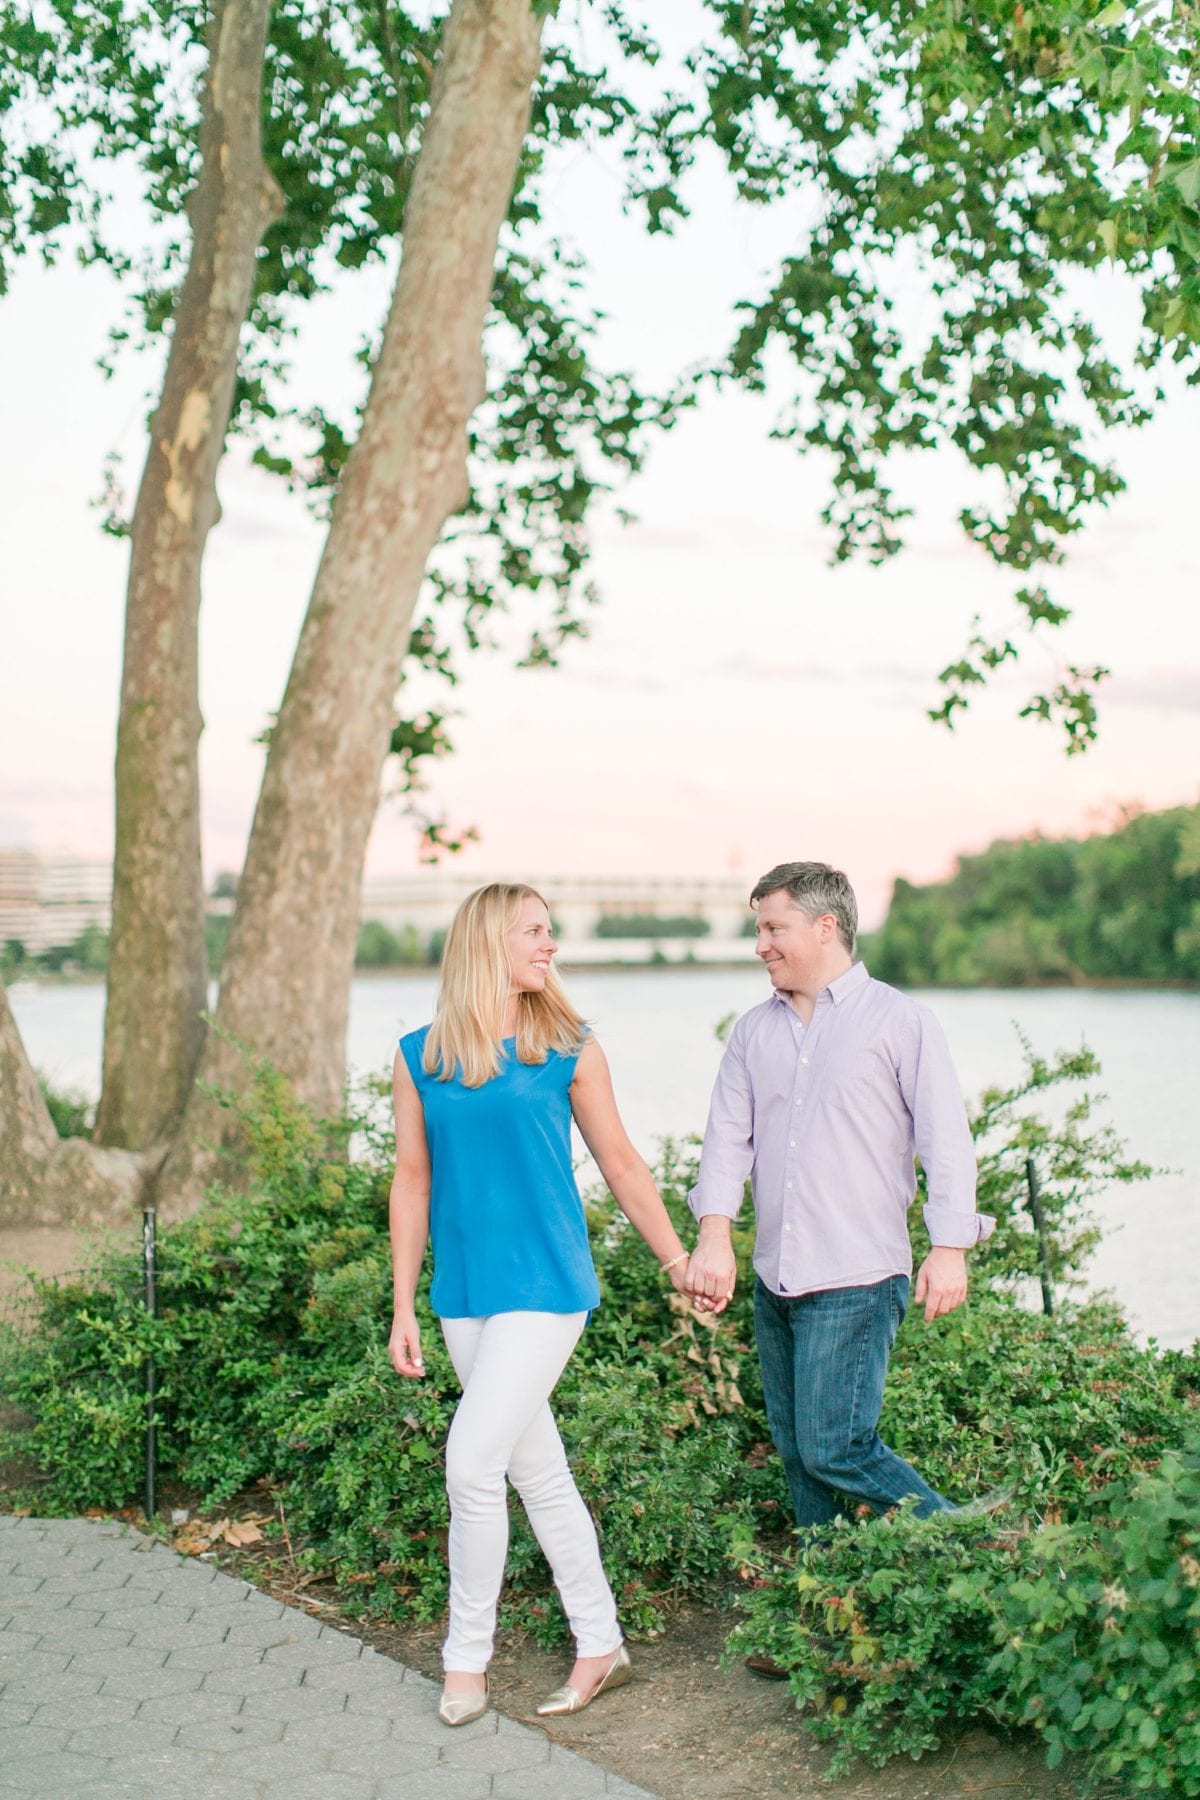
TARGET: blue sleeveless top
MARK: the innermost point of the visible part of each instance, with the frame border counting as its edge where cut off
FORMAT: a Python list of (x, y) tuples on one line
[(505, 1216)]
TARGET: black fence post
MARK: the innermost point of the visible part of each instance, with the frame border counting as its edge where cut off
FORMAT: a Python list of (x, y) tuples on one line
[(149, 1270), (1039, 1223)]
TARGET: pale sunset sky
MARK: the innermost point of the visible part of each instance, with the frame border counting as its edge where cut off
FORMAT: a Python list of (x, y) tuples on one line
[(738, 703)]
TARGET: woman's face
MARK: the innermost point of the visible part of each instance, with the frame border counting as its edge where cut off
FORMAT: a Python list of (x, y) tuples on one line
[(530, 945)]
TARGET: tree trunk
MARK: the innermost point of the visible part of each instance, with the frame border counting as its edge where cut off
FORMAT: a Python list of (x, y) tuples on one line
[(157, 974), (287, 969), (45, 1179)]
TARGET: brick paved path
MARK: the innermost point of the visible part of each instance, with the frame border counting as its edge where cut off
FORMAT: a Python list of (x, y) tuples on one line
[(127, 1669)]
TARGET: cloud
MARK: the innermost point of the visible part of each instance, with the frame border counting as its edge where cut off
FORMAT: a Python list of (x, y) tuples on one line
[(891, 675), (1157, 690)]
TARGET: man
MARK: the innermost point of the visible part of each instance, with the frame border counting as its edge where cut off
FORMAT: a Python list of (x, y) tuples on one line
[(824, 1092)]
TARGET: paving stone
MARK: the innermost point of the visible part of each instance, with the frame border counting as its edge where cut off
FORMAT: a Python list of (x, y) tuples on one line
[(149, 1614), (370, 1674), (625, 1790), (112, 1790), (43, 1601), (199, 1787), (260, 1634), (15, 1642), (408, 1705), (132, 1659), (580, 1781), (54, 1684), (189, 1709), (291, 1652), (175, 1637), (18, 1584), (168, 1771), (254, 1681), (134, 1736), (53, 1562), (58, 1774), (335, 1733), (525, 1750), (58, 1616), (244, 1612), (294, 1703), (21, 1664), (85, 1709), (326, 1786), (268, 1762), (240, 1731), (38, 1739), (101, 1580), (436, 1784), (16, 1712), (181, 1571), (378, 1762), (148, 1683), (76, 1636), (214, 1656)]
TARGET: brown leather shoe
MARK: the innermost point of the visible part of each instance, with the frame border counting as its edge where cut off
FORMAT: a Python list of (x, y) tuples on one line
[(762, 1665)]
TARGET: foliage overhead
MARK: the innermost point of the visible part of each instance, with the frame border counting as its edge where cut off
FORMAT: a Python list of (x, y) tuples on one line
[(958, 177)]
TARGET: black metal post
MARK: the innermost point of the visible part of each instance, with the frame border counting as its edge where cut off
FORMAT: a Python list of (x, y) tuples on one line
[(1035, 1207), (148, 1273)]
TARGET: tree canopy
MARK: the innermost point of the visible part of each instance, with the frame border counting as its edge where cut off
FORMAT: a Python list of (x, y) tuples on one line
[(958, 170)]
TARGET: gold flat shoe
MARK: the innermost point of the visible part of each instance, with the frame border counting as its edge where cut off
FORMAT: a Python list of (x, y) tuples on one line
[(460, 1709), (567, 1699)]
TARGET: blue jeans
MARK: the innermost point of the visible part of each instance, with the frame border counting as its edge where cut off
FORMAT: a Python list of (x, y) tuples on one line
[(824, 1357)]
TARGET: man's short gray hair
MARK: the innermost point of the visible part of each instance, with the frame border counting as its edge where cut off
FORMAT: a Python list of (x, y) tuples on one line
[(815, 888)]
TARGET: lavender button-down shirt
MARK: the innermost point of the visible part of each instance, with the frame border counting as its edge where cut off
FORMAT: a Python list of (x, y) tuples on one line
[(824, 1119)]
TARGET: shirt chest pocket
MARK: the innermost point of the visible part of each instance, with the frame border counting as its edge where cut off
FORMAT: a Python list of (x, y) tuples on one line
[(854, 1081)]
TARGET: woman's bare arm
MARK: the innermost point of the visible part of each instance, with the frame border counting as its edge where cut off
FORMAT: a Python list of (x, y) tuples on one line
[(595, 1108), (408, 1220)]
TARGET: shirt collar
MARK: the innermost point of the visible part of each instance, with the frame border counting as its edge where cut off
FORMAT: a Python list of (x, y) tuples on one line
[(847, 983), (839, 989)]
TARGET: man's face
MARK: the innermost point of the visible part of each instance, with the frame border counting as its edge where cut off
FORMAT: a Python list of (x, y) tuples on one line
[(791, 946)]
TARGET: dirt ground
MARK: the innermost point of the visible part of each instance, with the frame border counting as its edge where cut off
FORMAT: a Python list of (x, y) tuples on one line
[(683, 1728)]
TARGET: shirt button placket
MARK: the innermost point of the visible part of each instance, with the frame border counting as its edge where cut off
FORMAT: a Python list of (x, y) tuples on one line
[(788, 1274)]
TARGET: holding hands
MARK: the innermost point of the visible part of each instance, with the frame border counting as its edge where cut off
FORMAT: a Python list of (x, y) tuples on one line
[(711, 1274)]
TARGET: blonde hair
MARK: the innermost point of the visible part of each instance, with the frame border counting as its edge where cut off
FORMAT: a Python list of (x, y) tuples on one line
[(468, 1018)]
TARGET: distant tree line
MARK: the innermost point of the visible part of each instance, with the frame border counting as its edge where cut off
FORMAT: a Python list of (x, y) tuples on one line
[(1124, 906), (378, 948), (651, 925)]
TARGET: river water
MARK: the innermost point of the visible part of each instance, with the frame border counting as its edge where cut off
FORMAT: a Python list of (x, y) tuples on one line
[(658, 1028)]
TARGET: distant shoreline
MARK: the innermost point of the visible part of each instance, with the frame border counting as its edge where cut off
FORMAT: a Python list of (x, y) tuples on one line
[(679, 966)]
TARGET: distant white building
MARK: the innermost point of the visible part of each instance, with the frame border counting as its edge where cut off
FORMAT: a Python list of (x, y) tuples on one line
[(48, 897), (426, 902)]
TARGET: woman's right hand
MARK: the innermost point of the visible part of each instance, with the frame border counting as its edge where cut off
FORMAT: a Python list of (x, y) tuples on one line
[(404, 1346)]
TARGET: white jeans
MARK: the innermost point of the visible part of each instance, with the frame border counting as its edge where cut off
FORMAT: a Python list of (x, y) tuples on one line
[(508, 1364)]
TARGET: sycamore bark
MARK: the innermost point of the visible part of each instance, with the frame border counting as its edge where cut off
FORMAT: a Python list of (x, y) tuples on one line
[(154, 1032), (288, 965), (45, 1179)]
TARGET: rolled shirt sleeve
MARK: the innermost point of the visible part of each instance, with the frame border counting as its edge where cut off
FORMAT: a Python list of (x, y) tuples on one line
[(727, 1156), (941, 1136)]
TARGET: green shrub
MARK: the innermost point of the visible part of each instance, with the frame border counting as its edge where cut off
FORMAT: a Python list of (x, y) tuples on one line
[(887, 1630), (71, 1112), (1102, 1650), (1060, 1406), (272, 1368)]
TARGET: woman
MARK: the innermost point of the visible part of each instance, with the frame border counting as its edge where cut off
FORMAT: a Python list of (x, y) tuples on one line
[(484, 1099)]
